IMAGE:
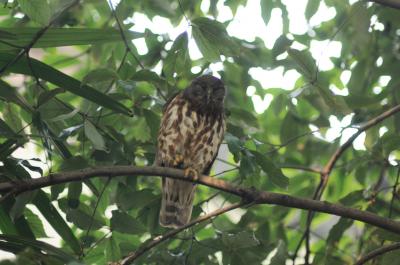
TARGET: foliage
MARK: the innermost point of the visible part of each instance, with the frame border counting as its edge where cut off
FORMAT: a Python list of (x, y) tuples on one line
[(98, 102)]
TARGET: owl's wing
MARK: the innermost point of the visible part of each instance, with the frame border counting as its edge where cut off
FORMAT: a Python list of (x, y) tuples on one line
[(157, 161), (208, 168)]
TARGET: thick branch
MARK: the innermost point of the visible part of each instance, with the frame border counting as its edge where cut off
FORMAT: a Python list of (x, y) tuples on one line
[(159, 239), (258, 197), (377, 252), (389, 3)]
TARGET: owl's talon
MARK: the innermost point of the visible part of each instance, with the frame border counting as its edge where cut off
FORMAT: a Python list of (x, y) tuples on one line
[(191, 173), (178, 160)]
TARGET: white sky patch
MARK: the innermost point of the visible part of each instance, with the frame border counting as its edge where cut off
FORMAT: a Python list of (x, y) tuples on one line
[(323, 50), (251, 90), (345, 76), (384, 80), (260, 105), (337, 91), (296, 9), (224, 12), (275, 78), (383, 130), (323, 14)]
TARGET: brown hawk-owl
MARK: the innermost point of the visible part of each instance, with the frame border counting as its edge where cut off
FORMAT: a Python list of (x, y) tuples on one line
[(192, 129)]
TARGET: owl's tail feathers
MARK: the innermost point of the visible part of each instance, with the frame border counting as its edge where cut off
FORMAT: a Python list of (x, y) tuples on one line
[(176, 203)]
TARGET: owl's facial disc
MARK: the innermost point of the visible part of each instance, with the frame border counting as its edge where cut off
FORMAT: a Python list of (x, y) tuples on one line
[(206, 93)]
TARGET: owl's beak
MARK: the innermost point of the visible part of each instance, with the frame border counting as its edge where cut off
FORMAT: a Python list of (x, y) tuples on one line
[(209, 96)]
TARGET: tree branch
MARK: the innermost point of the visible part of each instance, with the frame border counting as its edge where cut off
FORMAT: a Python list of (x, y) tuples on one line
[(377, 252), (326, 171), (389, 3), (249, 194), (159, 239)]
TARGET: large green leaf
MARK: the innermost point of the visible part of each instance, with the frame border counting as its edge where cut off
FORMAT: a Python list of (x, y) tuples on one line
[(21, 243), (57, 37), (212, 39), (273, 172), (52, 216), (52, 75), (124, 223), (38, 10)]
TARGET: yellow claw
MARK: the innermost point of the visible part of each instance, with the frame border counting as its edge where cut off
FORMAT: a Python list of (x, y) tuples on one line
[(178, 160), (191, 172)]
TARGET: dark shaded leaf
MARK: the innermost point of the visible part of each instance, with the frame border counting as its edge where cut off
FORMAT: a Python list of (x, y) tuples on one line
[(124, 223), (94, 136), (56, 37), (273, 172), (60, 79), (56, 221)]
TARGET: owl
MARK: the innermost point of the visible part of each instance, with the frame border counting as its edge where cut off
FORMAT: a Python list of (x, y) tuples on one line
[(191, 131)]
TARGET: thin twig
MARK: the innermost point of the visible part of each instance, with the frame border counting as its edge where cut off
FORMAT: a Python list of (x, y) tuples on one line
[(159, 239), (394, 191), (326, 171), (378, 252), (127, 46), (37, 36)]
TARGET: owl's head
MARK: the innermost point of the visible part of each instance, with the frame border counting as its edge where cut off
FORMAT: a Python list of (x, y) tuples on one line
[(206, 93)]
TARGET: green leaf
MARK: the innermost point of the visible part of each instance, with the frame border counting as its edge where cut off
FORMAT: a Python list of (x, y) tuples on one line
[(47, 95), (305, 63), (94, 136), (336, 232), (149, 76), (112, 251), (281, 45), (35, 223), (74, 192), (99, 75), (9, 94), (6, 130), (6, 224), (60, 79), (281, 254), (128, 198), (240, 240), (274, 173), (243, 115), (266, 10), (20, 202), (177, 60), (234, 145), (82, 218), (52, 216), (124, 223), (212, 39), (22, 243), (153, 122), (140, 130), (312, 8), (57, 37), (290, 128), (37, 10)]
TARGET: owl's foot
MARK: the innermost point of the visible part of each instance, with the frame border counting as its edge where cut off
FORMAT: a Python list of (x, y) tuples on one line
[(191, 173), (178, 160)]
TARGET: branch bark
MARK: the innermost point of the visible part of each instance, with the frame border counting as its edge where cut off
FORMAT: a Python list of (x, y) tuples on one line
[(389, 3), (377, 252), (248, 194)]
